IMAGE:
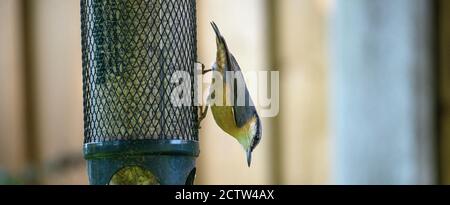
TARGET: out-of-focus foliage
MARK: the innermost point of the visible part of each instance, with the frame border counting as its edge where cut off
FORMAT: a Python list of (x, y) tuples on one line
[(7, 179), (134, 175)]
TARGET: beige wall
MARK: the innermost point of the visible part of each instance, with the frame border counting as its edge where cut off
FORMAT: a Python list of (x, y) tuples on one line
[(301, 127), (55, 39), (11, 89), (59, 102), (303, 69), (222, 160)]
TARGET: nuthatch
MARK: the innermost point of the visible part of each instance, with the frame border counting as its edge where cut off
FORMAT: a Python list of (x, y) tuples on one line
[(240, 121)]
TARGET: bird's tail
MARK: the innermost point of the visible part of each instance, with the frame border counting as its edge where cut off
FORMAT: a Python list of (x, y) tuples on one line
[(216, 29), (220, 38)]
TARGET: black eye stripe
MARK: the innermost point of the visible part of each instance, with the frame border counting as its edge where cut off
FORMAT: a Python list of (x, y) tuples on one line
[(257, 137)]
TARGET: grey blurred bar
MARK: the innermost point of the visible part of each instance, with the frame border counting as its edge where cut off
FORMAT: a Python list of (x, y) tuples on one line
[(382, 92)]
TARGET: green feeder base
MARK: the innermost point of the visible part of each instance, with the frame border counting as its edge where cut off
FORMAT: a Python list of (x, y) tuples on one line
[(165, 162)]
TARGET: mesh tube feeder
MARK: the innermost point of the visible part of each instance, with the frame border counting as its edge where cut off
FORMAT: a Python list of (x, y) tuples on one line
[(133, 134)]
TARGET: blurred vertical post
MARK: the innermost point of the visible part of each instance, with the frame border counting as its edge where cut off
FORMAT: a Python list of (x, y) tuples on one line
[(54, 90), (444, 89), (32, 151), (303, 120), (382, 92), (273, 60), (11, 89)]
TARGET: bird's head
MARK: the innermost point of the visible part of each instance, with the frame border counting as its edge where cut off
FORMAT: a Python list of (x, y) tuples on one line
[(253, 138)]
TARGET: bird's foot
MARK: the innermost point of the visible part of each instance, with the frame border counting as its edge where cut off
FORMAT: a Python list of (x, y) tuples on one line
[(202, 114), (203, 69)]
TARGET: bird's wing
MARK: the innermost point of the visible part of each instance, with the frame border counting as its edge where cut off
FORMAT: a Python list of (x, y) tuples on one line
[(242, 113)]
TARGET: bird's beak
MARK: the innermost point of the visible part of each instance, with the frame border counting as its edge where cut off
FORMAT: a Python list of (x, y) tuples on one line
[(249, 157)]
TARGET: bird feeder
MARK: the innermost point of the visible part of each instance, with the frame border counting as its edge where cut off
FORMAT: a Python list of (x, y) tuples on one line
[(133, 134)]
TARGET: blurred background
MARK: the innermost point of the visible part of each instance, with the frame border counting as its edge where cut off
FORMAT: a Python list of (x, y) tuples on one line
[(364, 91)]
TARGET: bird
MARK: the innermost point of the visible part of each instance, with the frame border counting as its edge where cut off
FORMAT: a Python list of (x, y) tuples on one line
[(240, 121)]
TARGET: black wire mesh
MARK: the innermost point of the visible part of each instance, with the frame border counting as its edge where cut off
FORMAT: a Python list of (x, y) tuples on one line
[(131, 48)]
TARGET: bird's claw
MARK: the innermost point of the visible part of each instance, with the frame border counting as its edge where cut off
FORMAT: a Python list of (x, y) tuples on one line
[(203, 69), (203, 109), (202, 114)]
